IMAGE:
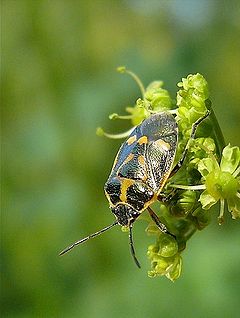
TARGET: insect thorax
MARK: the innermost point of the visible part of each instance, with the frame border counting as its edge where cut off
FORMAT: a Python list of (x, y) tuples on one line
[(127, 196)]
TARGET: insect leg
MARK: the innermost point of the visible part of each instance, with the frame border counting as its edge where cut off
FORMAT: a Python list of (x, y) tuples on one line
[(192, 136), (162, 227), (132, 246), (165, 198), (155, 218), (87, 238)]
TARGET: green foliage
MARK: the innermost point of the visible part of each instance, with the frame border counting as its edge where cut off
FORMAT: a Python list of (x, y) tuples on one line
[(165, 257), (210, 173), (221, 181), (191, 102)]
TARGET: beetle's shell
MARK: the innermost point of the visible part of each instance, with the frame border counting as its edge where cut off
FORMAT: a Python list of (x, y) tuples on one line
[(144, 162)]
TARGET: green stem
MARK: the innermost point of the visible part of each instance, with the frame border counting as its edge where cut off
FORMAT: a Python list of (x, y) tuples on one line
[(101, 132), (190, 187), (236, 173), (123, 69), (220, 218), (217, 132), (116, 116), (137, 80)]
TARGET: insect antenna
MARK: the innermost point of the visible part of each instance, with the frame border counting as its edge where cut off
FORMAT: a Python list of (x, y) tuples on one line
[(87, 238), (132, 246)]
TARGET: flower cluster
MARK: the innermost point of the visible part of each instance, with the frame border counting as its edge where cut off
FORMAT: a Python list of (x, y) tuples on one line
[(191, 101), (210, 174), (221, 181), (165, 258)]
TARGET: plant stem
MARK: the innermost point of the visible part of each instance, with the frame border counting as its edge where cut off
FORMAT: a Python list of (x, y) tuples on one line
[(137, 80), (217, 132)]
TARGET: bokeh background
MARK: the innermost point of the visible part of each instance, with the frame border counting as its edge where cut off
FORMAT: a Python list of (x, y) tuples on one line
[(58, 84)]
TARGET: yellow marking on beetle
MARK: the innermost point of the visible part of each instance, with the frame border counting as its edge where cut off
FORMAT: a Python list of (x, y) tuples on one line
[(163, 181), (163, 144), (143, 140), (141, 160), (131, 140), (129, 157), (125, 184), (148, 203)]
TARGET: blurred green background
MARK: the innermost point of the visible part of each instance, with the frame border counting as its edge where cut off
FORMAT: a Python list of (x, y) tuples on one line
[(58, 84)]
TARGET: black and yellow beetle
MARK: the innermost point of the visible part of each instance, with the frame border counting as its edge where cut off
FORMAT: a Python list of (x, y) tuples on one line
[(141, 169)]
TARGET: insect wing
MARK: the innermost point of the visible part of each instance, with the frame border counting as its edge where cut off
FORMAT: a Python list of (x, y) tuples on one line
[(162, 133), (129, 162), (149, 152)]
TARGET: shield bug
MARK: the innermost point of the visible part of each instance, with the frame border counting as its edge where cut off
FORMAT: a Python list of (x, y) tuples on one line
[(140, 171)]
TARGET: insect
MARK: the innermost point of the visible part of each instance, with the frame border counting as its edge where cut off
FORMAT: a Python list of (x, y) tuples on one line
[(140, 171)]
